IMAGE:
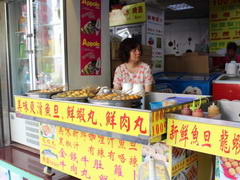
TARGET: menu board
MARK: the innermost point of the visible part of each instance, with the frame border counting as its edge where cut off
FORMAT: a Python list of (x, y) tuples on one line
[(154, 38), (90, 37), (88, 156), (224, 24)]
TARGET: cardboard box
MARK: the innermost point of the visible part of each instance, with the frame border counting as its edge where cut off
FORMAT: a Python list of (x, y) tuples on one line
[(115, 49), (190, 63)]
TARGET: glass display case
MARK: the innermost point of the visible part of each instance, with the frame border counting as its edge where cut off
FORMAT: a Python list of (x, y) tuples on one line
[(18, 43), (36, 45)]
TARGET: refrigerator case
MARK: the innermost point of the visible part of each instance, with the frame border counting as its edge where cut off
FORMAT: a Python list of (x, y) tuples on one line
[(226, 87), (200, 84), (36, 55)]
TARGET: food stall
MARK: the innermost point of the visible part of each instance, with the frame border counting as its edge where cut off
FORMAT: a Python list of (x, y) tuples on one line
[(92, 141)]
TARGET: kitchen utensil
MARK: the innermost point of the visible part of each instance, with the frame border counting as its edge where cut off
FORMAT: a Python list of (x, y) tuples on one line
[(232, 68)]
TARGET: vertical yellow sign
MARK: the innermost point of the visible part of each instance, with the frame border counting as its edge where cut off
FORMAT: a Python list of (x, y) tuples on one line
[(89, 156)]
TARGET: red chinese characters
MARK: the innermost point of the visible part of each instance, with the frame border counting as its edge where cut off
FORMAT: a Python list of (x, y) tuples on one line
[(39, 108), (121, 144), (118, 170), (81, 114), (84, 173), (173, 132), (184, 134), (91, 150), (125, 122), (70, 112), (62, 164), (73, 168), (56, 110), (73, 156), (138, 124), (62, 153), (102, 177), (111, 155), (224, 142), (32, 107), (207, 136), (19, 105), (25, 106), (133, 146), (47, 110), (98, 164), (122, 158), (101, 139), (195, 136), (101, 153), (133, 161), (92, 137), (85, 160), (91, 117), (236, 143), (110, 119)]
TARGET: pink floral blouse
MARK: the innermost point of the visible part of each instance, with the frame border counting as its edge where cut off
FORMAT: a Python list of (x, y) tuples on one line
[(142, 76)]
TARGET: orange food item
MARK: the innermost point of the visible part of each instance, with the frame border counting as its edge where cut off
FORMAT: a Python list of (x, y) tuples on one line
[(198, 113), (234, 164), (232, 171), (228, 164)]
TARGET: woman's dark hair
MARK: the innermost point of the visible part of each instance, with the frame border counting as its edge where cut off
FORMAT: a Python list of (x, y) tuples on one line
[(232, 45), (126, 46)]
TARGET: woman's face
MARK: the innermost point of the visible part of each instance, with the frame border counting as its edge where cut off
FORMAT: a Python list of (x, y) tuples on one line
[(135, 54)]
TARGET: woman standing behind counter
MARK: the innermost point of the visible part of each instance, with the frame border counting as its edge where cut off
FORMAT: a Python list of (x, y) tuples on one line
[(133, 76)]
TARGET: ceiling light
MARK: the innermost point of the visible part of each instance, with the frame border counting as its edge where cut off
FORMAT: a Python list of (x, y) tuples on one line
[(179, 7)]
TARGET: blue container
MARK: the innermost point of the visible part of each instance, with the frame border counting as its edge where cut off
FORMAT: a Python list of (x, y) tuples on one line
[(155, 105), (186, 83)]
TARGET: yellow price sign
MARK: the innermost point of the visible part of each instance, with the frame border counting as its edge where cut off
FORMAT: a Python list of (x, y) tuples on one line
[(129, 14), (123, 121), (211, 139), (224, 23), (89, 156)]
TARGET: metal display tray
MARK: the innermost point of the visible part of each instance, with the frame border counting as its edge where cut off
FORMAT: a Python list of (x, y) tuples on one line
[(78, 99), (36, 94), (120, 103)]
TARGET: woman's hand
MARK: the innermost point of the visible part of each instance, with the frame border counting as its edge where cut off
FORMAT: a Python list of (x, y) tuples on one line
[(148, 88)]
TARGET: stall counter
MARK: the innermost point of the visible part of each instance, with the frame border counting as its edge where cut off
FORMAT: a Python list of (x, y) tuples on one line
[(86, 140)]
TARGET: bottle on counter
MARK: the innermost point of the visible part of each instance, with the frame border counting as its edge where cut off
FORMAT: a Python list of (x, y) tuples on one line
[(213, 111)]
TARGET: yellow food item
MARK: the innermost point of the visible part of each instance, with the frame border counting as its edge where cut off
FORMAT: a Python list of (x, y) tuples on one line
[(228, 164), (88, 92), (232, 171), (115, 96), (238, 170), (53, 90), (234, 164), (213, 110)]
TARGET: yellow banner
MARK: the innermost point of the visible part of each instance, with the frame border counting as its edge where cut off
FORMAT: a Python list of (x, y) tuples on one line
[(89, 156), (182, 165), (211, 139), (128, 122), (224, 23), (129, 14)]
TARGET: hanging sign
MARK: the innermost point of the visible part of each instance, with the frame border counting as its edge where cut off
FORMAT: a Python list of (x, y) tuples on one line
[(90, 37), (214, 139), (224, 24), (122, 121), (129, 14), (88, 156)]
